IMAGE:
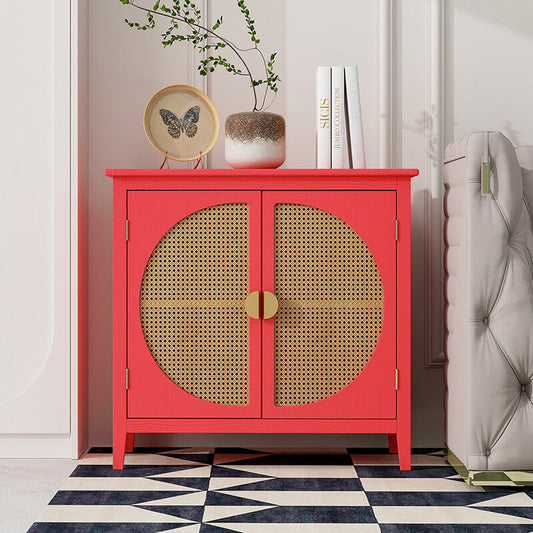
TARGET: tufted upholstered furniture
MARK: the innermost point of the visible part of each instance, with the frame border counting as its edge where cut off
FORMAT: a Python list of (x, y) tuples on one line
[(489, 304)]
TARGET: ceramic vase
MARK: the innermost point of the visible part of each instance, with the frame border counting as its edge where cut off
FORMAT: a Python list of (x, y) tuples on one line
[(255, 140)]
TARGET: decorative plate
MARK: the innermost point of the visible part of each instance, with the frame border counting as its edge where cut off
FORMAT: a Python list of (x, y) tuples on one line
[(181, 122)]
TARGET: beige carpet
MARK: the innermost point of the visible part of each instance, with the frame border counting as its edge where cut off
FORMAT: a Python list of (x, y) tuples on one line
[(26, 487)]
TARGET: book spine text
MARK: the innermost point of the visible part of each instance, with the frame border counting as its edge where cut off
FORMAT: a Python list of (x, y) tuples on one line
[(337, 117), (323, 117)]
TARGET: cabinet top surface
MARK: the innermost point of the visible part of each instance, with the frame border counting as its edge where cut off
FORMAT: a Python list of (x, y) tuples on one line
[(147, 173)]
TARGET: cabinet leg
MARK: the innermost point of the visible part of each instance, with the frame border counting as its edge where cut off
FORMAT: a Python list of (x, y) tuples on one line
[(393, 443), (404, 447), (130, 437), (119, 449)]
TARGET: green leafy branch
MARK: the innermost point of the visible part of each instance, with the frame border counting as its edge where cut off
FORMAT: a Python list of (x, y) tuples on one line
[(185, 25)]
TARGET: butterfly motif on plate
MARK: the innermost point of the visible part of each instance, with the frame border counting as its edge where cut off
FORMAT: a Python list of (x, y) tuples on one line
[(176, 125)]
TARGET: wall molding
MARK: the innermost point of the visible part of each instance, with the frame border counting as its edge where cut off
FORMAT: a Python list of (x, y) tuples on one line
[(386, 77), (431, 167), (433, 219)]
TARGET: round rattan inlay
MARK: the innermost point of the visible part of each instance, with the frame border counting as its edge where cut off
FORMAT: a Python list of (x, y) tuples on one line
[(192, 304), (330, 304)]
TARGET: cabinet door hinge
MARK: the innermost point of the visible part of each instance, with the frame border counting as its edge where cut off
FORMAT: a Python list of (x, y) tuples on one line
[(127, 379), (127, 230), (396, 379), (396, 229)]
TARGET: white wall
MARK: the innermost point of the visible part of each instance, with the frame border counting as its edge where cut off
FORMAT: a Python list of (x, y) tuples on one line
[(489, 67), (487, 84), (125, 69)]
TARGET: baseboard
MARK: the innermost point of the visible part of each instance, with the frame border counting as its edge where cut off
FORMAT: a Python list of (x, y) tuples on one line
[(82, 453), (20, 446), (489, 478)]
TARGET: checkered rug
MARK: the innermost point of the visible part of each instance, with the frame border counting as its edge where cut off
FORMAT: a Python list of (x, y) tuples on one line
[(280, 491)]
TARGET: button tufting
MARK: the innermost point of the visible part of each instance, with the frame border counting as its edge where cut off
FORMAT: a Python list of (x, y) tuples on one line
[(502, 263)]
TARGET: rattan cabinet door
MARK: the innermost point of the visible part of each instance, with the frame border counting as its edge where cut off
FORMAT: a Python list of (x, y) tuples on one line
[(330, 260), (193, 258)]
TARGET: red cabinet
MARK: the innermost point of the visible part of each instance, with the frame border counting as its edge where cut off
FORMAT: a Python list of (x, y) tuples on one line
[(261, 301)]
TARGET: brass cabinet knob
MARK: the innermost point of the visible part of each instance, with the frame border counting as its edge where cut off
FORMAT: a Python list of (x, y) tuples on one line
[(270, 305), (251, 304)]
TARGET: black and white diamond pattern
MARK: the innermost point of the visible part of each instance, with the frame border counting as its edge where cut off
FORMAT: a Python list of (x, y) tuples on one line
[(293, 491)]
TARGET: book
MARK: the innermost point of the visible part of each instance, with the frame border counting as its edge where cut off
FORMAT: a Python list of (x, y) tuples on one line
[(354, 123), (337, 117), (323, 117)]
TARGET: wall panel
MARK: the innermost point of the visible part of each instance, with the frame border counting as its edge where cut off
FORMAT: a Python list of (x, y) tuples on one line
[(35, 222)]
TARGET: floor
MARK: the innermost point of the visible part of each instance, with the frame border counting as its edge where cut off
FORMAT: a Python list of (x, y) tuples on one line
[(26, 486), (267, 490)]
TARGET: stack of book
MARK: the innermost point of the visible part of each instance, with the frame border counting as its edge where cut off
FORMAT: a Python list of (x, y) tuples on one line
[(339, 140)]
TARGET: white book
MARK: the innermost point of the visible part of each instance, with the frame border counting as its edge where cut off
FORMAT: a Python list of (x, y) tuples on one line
[(354, 123), (337, 117), (323, 117)]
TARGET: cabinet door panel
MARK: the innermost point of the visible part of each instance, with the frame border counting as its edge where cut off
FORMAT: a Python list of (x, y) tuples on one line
[(330, 259), (193, 257)]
